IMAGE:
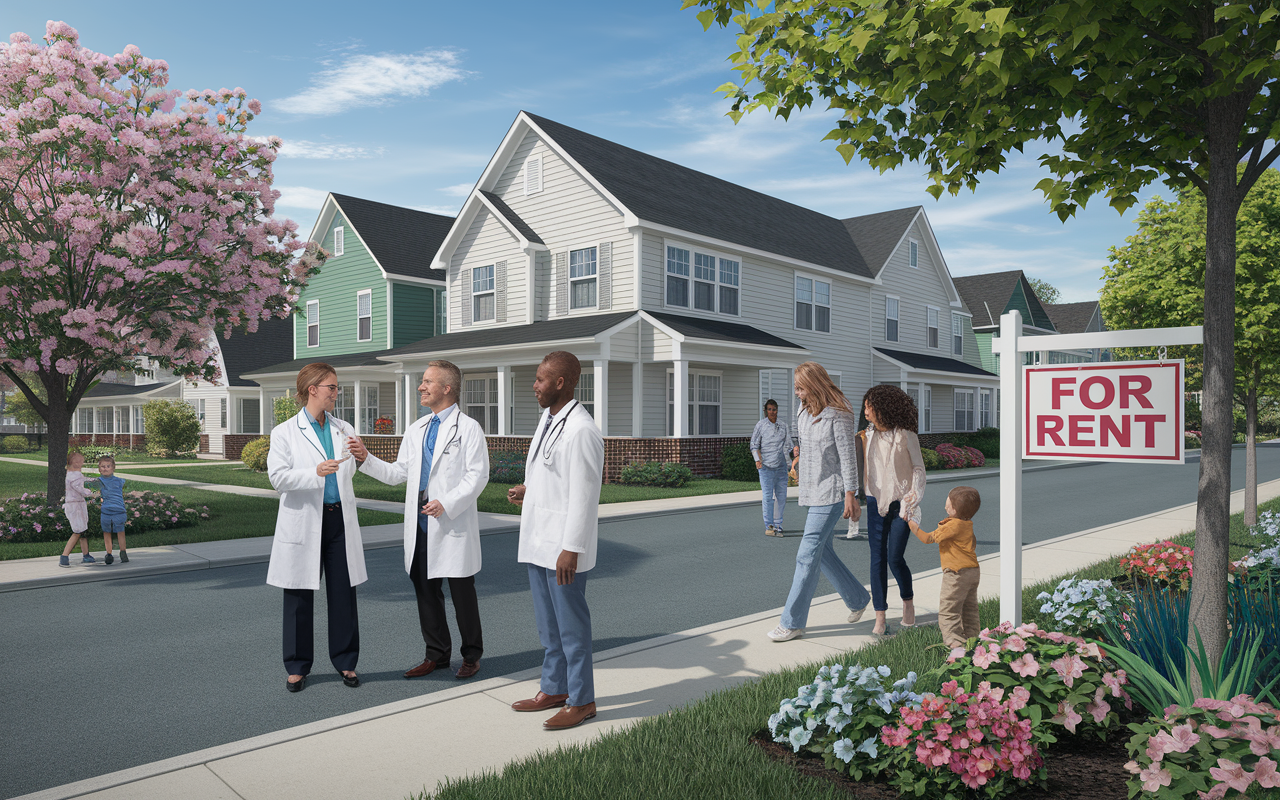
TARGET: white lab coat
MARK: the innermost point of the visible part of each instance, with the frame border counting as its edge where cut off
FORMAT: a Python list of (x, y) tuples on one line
[(459, 473), (291, 466), (562, 490)]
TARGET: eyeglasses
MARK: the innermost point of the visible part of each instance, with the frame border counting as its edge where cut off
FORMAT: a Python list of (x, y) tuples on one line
[(333, 387)]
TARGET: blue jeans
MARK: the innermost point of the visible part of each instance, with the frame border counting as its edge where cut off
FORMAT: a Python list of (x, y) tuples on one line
[(888, 535), (774, 484), (564, 627), (816, 552)]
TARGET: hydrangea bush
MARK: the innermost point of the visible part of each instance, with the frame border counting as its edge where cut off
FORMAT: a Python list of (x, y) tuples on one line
[(964, 740), (1258, 568), (958, 456), (27, 519), (1266, 534), (1215, 749), (1162, 562), (1081, 607), (840, 714), (1067, 677)]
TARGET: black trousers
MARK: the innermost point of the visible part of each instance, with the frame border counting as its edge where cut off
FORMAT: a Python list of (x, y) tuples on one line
[(431, 614), (299, 606)]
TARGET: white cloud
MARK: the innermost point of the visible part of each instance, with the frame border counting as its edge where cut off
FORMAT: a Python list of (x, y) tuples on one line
[(364, 80), (300, 197), (458, 189), (301, 148)]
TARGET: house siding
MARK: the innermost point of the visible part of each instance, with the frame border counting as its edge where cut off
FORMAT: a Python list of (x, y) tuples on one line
[(335, 287), (487, 242), (413, 316)]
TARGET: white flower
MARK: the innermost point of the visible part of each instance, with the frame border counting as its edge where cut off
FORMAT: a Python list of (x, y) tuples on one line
[(844, 750), (799, 738)]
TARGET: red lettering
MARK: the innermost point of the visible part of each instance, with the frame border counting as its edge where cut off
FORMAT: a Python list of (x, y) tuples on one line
[(1127, 390), (1051, 427), (1107, 427), (1076, 424), (1149, 420), (1060, 391), (1108, 392)]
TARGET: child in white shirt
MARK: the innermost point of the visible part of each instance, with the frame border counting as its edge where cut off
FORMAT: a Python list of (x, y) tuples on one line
[(77, 511)]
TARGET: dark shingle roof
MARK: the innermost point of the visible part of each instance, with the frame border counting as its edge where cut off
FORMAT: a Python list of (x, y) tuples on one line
[(512, 217), (936, 363), (403, 240), (719, 330), (547, 330), (246, 352), (1072, 317), (127, 390), (876, 235), (365, 359), (662, 192), (987, 297)]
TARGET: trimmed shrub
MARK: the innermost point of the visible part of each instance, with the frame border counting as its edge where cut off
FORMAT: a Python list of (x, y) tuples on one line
[(954, 457), (254, 454), (93, 452), (172, 427), (15, 444), (931, 458), (736, 463), (669, 474), (1191, 442), (985, 440), (284, 409), (506, 466)]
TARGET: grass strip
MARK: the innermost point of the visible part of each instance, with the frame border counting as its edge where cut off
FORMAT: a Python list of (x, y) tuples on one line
[(126, 458), (701, 750)]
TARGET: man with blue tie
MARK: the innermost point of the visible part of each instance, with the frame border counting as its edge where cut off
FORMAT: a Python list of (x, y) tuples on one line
[(444, 460)]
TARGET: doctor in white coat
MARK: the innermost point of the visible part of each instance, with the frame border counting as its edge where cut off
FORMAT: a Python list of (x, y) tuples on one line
[(560, 506), (316, 528), (444, 464)]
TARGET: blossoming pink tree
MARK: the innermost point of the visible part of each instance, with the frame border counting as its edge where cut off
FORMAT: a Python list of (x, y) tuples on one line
[(128, 227)]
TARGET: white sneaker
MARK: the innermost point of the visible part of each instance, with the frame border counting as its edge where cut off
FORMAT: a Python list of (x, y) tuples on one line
[(854, 616), (781, 634)]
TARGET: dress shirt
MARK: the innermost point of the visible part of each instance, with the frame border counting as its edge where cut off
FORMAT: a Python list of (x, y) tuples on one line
[(326, 441), (771, 443), (428, 451)]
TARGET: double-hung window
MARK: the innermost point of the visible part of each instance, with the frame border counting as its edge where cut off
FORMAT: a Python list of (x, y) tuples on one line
[(368, 407), (222, 412), (957, 335), (480, 397), (813, 304), (482, 302), (702, 281), (677, 277), (582, 278), (931, 328), (984, 409), (729, 276), (313, 323), (364, 315), (703, 412), (927, 410), (963, 409), (338, 241), (344, 408), (585, 392), (891, 313)]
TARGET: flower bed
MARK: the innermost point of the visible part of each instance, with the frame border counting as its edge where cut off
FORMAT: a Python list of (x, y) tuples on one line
[(1161, 563), (959, 456), (27, 519)]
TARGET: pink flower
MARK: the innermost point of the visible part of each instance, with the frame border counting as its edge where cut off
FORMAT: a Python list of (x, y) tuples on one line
[(1068, 718), (1015, 643), (1133, 767), (1026, 666), (1184, 738), (1264, 772), (984, 657), (1113, 681), (1263, 742), (957, 653), (1069, 668), (1232, 774), (1216, 793), (1153, 777), (1018, 697)]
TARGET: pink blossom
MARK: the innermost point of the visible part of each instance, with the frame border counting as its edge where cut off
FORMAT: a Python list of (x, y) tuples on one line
[(1263, 742), (1153, 777), (1069, 668), (1232, 774), (1113, 680), (984, 657), (1184, 738), (1068, 718), (1018, 697), (1264, 772), (1015, 643), (1216, 793), (1026, 666), (956, 654)]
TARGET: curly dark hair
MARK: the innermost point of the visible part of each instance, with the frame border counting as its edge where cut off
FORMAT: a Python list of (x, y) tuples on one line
[(892, 406)]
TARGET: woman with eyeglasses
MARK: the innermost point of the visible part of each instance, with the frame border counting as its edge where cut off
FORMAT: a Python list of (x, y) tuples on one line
[(317, 534)]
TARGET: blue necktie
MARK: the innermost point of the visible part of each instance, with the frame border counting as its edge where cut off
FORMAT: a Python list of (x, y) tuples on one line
[(428, 445)]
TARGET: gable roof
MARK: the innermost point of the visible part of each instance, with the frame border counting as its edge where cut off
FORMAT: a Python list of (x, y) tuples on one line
[(512, 217), (721, 331), (934, 363), (1073, 317), (877, 235), (545, 330), (664, 193), (402, 240), (127, 389), (246, 352), (987, 297), (369, 358)]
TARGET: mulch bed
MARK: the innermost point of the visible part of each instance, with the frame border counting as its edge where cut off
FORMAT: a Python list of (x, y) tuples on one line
[(1080, 768)]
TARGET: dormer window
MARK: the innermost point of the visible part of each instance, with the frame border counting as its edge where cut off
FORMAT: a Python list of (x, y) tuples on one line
[(582, 278)]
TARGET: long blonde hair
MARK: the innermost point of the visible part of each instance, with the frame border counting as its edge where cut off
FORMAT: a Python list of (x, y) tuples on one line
[(821, 390)]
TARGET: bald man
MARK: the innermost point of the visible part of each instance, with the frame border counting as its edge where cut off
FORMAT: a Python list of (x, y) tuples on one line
[(559, 508)]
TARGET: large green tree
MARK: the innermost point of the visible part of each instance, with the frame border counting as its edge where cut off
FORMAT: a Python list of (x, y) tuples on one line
[(1157, 280), (1130, 92)]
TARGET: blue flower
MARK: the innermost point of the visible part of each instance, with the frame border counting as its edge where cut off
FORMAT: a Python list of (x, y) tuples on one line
[(844, 750)]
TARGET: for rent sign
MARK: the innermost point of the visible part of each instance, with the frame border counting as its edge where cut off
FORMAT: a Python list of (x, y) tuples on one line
[(1127, 411)]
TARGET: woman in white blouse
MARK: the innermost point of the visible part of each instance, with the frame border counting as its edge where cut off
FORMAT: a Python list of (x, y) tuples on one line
[(892, 476)]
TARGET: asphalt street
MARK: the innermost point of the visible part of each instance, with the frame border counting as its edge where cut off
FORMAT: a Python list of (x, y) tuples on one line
[(108, 675)]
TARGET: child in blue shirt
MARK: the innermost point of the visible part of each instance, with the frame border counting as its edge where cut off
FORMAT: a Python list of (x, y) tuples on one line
[(113, 514)]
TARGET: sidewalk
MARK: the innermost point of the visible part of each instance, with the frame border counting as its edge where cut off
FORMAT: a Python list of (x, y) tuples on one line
[(380, 752)]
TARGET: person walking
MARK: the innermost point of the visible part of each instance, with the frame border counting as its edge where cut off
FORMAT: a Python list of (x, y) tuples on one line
[(892, 477), (828, 477), (316, 529), (771, 447), (77, 510)]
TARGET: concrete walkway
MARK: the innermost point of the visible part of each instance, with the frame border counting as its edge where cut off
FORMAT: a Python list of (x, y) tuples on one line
[(389, 751)]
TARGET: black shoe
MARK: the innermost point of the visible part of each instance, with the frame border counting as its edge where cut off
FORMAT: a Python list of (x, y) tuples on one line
[(109, 559), (352, 681), (124, 557), (296, 686)]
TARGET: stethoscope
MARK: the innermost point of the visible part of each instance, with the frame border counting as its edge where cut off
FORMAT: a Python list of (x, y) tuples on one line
[(453, 434), (552, 436)]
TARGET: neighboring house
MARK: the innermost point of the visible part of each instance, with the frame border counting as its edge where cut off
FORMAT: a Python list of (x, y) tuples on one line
[(1083, 317)]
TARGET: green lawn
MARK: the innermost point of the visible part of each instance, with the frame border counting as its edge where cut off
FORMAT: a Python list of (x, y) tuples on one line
[(231, 516), (140, 458), (702, 750)]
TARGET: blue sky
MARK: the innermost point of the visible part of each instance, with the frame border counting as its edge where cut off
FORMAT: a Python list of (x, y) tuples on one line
[(404, 103)]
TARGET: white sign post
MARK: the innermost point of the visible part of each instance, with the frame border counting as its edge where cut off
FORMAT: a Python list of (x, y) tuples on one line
[(1109, 411)]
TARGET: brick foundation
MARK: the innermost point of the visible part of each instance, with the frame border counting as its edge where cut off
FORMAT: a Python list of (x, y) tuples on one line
[(233, 444), (130, 441), (204, 443)]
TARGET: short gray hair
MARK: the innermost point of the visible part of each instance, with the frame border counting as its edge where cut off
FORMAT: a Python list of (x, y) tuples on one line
[(452, 376)]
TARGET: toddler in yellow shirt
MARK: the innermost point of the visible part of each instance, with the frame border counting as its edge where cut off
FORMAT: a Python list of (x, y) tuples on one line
[(958, 605)]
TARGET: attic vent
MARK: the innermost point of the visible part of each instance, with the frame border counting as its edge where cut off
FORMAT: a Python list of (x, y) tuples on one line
[(533, 176), (337, 241)]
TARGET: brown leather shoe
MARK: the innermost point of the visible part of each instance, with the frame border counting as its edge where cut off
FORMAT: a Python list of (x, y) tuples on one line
[(467, 669), (426, 668), (570, 717), (540, 702)]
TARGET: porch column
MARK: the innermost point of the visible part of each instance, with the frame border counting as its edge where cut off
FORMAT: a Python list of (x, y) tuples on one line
[(504, 401), (601, 370), (919, 406), (410, 407), (265, 423), (680, 411), (399, 412), (359, 409), (637, 399), (232, 416)]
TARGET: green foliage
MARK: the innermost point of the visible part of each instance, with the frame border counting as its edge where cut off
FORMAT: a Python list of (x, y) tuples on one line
[(506, 466), (284, 408), (1191, 442), (15, 444), (28, 519), (254, 454), (1191, 414), (656, 473), (736, 463), (985, 441), (172, 427), (19, 407), (93, 452), (931, 458), (1045, 291)]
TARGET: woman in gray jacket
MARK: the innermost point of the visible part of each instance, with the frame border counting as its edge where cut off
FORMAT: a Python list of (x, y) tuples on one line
[(828, 480)]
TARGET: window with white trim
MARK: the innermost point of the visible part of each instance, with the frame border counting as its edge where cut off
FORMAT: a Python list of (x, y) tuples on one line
[(85, 418), (813, 304), (222, 412), (703, 281), (249, 420), (344, 408), (985, 419), (480, 400), (482, 296), (928, 410), (891, 312), (313, 323), (338, 241), (533, 176), (729, 276), (703, 412), (139, 424), (106, 419), (368, 407), (963, 405), (582, 278), (957, 335), (677, 277), (585, 392), (364, 315), (931, 326), (913, 253), (122, 418), (200, 408)]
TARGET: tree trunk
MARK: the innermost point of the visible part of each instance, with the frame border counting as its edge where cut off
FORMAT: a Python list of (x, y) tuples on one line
[(1251, 456), (1208, 612), (59, 422)]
